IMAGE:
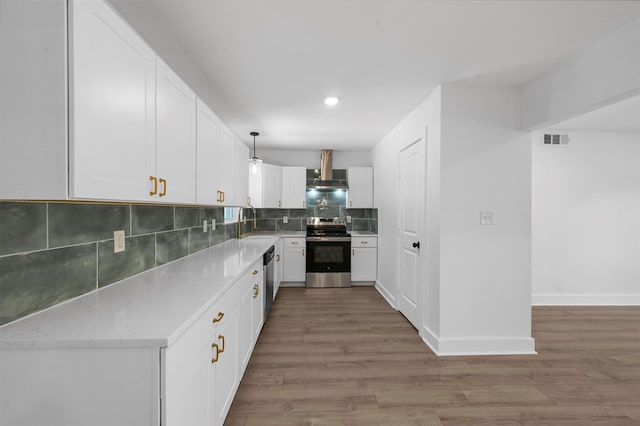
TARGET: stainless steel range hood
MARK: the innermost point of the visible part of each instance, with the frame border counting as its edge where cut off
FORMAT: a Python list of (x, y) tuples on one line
[(326, 180)]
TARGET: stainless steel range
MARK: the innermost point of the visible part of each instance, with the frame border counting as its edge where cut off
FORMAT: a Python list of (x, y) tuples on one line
[(328, 252)]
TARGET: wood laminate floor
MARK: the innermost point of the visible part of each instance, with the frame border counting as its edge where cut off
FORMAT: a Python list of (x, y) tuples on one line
[(345, 357)]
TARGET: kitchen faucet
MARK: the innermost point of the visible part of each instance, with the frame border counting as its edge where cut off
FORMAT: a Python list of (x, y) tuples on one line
[(255, 222)]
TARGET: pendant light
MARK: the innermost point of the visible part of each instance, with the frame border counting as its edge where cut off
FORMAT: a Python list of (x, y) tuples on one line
[(254, 160)]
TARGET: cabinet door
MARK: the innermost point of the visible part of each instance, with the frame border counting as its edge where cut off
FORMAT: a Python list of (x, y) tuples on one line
[(225, 379), (256, 180), (246, 323), (207, 131), (112, 106), (360, 193), (257, 317), (294, 268), (175, 137), (277, 270), (240, 174), (272, 186), (224, 166), (294, 187), (364, 263)]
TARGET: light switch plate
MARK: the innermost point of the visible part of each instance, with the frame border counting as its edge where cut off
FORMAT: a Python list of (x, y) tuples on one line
[(486, 217), (118, 241), (348, 219), (213, 224), (285, 219), (204, 225)]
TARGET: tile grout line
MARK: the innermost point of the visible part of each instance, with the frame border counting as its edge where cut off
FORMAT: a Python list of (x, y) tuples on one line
[(46, 224), (98, 265)]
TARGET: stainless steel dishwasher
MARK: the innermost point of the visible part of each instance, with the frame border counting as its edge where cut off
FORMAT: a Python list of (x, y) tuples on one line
[(269, 265)]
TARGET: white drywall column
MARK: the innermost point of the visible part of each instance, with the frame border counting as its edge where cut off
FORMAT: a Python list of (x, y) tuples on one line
[(485, 270), (605, 72), (478, 277)]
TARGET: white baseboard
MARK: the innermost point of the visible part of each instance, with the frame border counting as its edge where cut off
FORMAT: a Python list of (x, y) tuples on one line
[(585, 299), (464, 347), (430, 339), (387, 296)]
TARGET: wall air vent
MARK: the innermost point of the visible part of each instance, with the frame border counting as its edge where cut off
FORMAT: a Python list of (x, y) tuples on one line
[(555, 139)]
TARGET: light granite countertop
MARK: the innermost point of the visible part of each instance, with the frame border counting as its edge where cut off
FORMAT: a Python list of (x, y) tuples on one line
[(151, 309)]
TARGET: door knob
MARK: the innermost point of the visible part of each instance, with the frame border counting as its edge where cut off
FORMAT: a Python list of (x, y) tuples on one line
[(416, 244)]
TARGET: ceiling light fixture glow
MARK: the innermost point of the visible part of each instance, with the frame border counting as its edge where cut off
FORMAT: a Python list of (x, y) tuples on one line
[(331, 101)]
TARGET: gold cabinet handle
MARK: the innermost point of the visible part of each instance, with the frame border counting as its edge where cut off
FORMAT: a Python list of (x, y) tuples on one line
[(248, 200), (164, 187), (155, 185), (219, 317), (256, 290), (304, 204), (277, 258), (353, 252), (221, 339), (222, 197), (279, 203), (303, 252), (218, 200), (216, 352), (255, 272)]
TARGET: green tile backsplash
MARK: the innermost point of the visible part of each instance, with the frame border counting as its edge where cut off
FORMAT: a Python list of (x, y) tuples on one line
[(51, 252)]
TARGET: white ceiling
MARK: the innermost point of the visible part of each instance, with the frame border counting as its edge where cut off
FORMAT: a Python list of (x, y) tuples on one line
[(268, 65), (622, 116)]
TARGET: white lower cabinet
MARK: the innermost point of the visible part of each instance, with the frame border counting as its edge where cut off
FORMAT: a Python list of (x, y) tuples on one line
[(191, 382), (364, 258), (294, 262)]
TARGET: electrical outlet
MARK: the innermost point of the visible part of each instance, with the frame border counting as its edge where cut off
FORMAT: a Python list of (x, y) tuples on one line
[(285, 219), (204, 225), (348, 219), (118, 241), (213, 224), (486, 218)]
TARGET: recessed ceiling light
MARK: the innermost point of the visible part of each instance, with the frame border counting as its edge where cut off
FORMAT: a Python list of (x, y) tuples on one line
[(331, 101)]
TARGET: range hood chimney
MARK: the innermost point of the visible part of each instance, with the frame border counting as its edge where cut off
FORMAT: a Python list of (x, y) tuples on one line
[(326, 165), (326, 180)]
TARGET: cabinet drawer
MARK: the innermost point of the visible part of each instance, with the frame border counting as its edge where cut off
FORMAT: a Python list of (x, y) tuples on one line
[(364, 241), (294, 242)]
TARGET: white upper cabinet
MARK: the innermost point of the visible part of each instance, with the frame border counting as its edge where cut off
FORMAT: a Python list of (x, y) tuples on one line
[(207, 134), (294, 187), (112, 106), (240, 174), (175, 138), (272, 186), (224, 166), (265, 185), (360, 193)]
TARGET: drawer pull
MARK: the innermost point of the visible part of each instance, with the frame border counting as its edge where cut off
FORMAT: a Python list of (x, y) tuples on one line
[(164, 187), (221, 339), (214, 359), (155, 185), (364, 242), (219, 317), (277, 258), (256, 290), (255, 272)]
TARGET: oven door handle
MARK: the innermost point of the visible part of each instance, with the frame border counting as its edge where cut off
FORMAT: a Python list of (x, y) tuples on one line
[(328, 239)]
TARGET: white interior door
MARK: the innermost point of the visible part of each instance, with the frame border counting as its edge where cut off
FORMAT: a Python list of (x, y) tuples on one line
[(410, 279)]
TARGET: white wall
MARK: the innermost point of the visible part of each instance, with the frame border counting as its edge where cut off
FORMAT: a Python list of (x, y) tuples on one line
[(311, 159), (485, 270), (586, 219), (385, 158), (607, 71)]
